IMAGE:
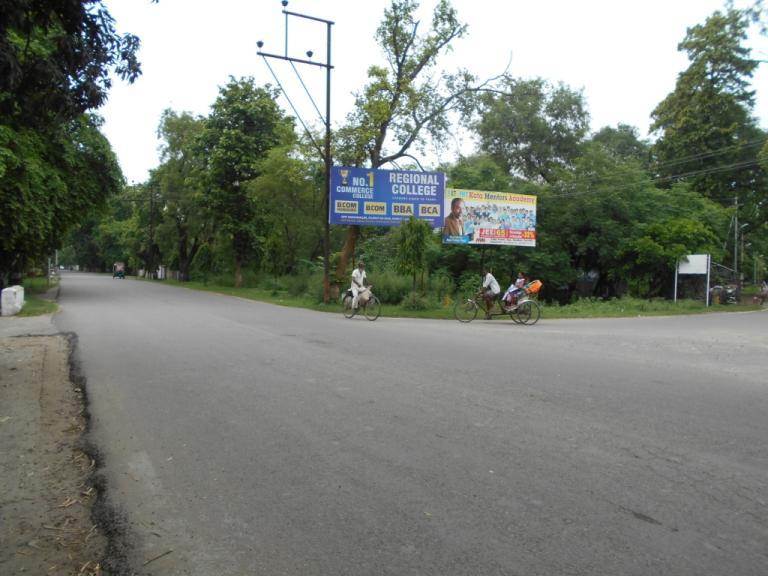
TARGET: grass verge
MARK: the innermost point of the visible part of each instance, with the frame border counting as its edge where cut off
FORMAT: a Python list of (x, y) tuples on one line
[(586, 308), (34, 305)]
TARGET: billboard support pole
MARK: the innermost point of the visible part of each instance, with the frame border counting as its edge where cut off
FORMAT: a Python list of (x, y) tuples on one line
[(677, 266)]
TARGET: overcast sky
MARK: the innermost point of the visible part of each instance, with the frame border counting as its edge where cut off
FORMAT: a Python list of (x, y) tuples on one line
[(621, 53)]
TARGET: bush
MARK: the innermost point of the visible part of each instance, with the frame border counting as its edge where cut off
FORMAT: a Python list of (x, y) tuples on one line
[(469, 283), (417, 301), (390, 287), (441, 285), (297, 285)]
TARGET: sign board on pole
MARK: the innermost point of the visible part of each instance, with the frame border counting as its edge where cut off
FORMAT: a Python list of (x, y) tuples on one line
[(480, 217), (697, 264), (693, 264), (371, 197)]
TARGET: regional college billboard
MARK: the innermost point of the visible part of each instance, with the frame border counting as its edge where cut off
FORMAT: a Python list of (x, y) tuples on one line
[(478, 217), (385, 197)]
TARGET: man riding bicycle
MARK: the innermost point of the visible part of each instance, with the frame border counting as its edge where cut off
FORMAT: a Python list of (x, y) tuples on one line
[(490, 291), (359, 283)]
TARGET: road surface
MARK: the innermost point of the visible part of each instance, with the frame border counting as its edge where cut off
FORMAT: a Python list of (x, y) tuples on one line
[(255, 439)]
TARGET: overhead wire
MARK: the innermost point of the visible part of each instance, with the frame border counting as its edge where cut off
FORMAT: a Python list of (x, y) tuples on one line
[(295, 111)]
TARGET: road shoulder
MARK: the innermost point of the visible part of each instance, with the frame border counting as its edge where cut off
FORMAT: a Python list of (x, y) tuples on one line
[(46, 487)]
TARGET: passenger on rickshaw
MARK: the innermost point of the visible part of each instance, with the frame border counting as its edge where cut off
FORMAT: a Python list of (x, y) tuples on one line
[(513, 292)]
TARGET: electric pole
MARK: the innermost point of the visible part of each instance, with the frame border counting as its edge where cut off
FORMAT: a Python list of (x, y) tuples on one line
[(326, 152)]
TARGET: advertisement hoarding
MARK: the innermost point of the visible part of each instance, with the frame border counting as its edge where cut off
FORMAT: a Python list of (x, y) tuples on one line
[(371, 197), (482, 217)]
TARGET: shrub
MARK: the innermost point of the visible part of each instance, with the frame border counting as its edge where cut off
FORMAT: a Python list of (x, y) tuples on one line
[(469, 282), (390, 287), (297, 285), (441, 285), (417, 301)]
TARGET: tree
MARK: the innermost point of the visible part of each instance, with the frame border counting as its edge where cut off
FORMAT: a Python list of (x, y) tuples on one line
[(406, 100), (179, 180), (623, 142), (413, 237), (618, 227), (48, 182), (244, 124), (55, 166), (532, 129), (290, 199), (707, 135), (56, 59)]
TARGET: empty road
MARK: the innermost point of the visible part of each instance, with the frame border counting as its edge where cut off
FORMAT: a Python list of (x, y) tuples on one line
[(254, 439)]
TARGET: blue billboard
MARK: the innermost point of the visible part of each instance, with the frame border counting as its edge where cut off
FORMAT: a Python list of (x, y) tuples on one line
[(385, 197)]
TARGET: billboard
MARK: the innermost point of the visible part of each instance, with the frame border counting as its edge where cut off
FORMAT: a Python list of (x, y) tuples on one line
[(480, 217), (385, 197)]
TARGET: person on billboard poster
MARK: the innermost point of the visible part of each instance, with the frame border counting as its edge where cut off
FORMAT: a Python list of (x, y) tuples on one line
[(454, 223)]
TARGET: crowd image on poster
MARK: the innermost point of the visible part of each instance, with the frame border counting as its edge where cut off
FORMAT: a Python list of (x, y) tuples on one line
[(481, 217)]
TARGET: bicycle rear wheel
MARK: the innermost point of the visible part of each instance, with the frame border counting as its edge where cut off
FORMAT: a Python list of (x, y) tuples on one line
[(465, 310), (372, 308), (347, 309), (528, 312)]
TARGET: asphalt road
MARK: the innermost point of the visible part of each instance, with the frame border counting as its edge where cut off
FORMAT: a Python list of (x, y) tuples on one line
[(255, 439)]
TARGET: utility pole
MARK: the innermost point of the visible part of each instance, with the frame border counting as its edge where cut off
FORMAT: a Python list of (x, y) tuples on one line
[(151, 247), (326, 152), (736, 237)]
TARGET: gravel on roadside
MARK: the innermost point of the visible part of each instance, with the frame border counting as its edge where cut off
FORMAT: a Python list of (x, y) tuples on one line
[(46, 488)]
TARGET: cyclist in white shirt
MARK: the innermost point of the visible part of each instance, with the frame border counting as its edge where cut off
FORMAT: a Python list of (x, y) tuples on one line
[(491, 291), (359, 281)]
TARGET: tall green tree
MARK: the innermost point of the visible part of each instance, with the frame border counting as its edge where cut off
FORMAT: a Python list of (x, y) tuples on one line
[(179, 179), (532, 129), (49, 182), (406, 100), (706, 132), (289, 194), (56, 62), (244, 124)]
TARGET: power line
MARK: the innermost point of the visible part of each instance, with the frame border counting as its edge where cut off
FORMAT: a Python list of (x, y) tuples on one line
[(717, 152), (702, 172)]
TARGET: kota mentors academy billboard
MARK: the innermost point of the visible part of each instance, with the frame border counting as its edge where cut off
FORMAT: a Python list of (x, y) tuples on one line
[(481, 217)]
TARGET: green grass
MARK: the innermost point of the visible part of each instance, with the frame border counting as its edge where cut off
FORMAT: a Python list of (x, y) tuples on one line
[(627, 307), (34, 306), (37, 285), (586, 308)]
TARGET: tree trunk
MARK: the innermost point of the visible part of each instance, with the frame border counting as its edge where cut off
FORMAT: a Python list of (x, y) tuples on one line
[(183, 256), (238, 271), (347, 252)]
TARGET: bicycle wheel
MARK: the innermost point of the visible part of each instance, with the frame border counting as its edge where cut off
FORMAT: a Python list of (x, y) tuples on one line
[(346, 304), (465, 310), (513, 316), (528, 312), (372, 309)]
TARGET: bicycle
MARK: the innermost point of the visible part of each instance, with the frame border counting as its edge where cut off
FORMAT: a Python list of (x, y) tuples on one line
[(526, 310), (371, 306)]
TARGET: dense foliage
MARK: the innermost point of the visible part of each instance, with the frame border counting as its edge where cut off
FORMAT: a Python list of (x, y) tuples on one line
[(56, 59)]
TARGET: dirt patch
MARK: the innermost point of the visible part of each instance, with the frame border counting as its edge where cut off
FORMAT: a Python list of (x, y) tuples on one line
[(46, 481)]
